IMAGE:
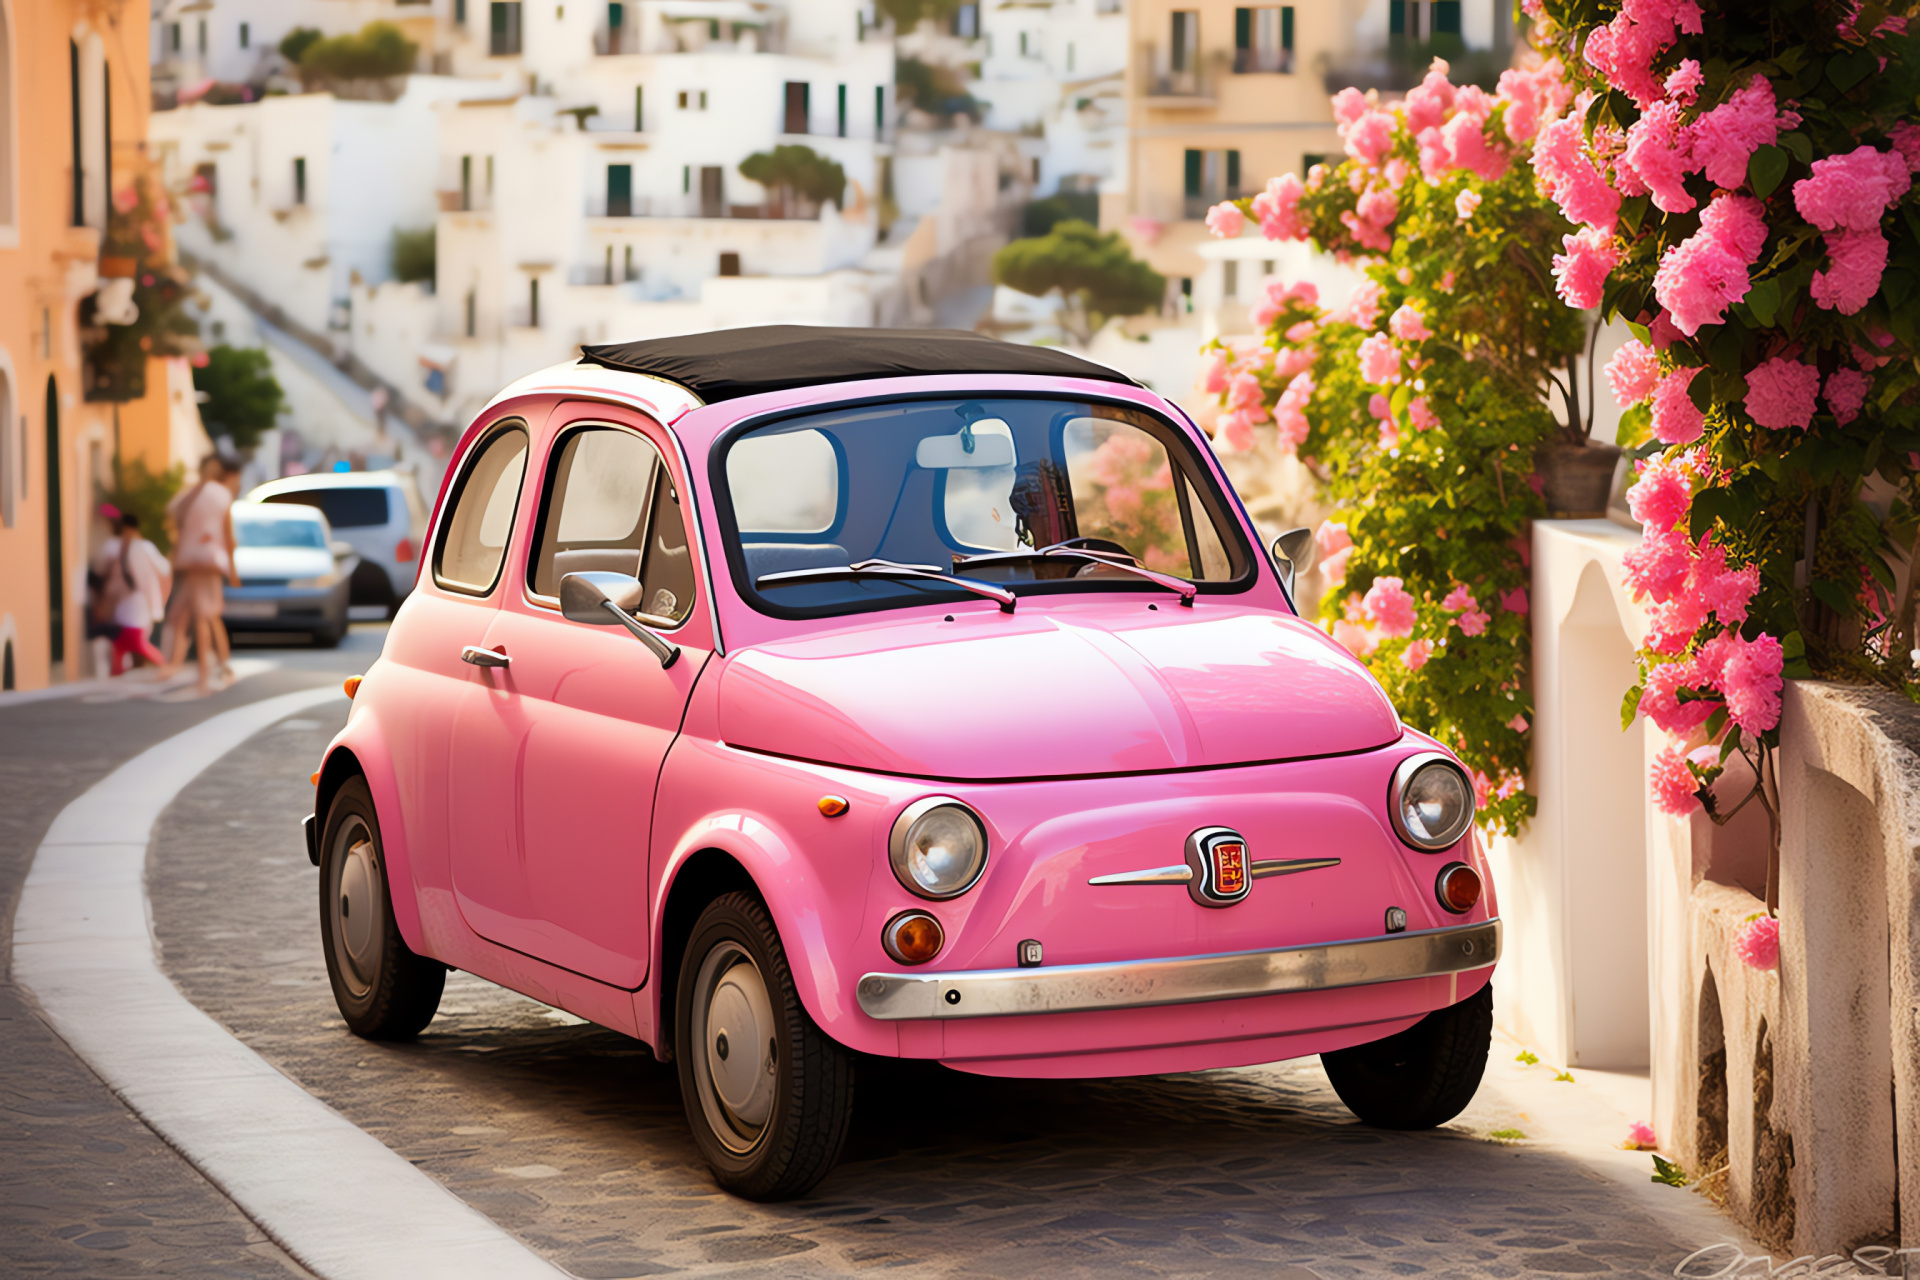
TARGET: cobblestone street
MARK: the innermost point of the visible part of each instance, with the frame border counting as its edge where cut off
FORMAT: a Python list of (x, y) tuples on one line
[(572, 1137)]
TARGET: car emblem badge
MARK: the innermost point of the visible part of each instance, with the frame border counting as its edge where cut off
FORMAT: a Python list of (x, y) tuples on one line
[(1222, 870)]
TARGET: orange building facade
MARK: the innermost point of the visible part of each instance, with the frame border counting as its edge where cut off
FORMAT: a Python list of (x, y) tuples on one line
[(74, 103)]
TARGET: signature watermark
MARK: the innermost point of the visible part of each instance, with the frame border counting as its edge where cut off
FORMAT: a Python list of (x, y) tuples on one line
[(1726, 1260)]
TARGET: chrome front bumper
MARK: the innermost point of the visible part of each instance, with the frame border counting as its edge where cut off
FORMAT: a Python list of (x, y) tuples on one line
[(1133, 984)]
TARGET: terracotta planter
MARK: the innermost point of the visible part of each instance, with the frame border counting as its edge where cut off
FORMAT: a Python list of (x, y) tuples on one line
[(118, 268), (1577, 479)]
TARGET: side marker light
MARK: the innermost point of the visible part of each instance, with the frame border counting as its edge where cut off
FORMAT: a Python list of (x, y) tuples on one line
[(833, 806), (352, 685)]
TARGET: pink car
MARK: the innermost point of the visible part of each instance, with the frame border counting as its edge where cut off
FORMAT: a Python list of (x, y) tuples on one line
[(783, 696)]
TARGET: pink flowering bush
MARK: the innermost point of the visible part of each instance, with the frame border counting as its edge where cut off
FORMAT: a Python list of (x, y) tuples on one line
[(1752, 173), (1418, 404), (1758, 943)]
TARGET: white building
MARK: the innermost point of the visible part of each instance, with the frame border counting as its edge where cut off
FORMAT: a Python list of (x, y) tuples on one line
[(294, 196), (238, 41)]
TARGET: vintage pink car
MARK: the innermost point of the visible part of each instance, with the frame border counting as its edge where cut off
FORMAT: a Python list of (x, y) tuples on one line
[(783, 696)]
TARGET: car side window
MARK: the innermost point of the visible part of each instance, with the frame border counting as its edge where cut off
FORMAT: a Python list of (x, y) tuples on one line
[(610, 506), (479, 523)]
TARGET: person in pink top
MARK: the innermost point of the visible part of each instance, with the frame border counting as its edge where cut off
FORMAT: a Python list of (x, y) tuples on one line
[(203, 557)]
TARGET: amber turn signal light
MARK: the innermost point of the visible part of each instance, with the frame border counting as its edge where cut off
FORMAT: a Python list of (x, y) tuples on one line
[(315, 779), (352, 685), (913, 937), (1458, 887), (833, 806)]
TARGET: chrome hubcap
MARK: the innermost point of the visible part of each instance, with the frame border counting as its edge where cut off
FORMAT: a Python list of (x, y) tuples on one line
[(355, 907), (735, 1049)]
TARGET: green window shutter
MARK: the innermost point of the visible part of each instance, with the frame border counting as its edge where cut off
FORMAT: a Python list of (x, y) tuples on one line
[(1446, 17), (1233, 173), (1243, 28), (1193, 172), (616, 14), (1396, 18), (1286, 28), (639, 108)]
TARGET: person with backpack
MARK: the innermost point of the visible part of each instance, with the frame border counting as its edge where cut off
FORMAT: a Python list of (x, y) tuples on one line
[(135, 579)]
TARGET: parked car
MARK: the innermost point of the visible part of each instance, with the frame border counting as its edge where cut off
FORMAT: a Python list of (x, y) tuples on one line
[(293, 575), (786, 695), (379, 513)]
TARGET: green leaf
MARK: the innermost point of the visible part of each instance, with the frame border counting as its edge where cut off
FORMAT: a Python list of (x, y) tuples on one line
[(1716, 722), (1764, 297), (1765, 170), (1402, 396), (1849, 69), (1639, 331), (1800, 145), (1633, 211), (1668, 1173), (1730, 744), (1630, 707), (1898, 285), (1723, 353)]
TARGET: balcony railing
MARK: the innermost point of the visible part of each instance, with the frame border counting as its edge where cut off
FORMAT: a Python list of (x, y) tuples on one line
[(1193, 78), (600, 274), (465, 202), (690, 207), (1194, 208), (1262, 62)]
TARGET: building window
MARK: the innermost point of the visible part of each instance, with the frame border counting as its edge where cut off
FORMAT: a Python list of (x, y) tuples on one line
[(1230, 279), (879, 111), (1446, 17), (1023, 44), (798, 106), (619, 199), (1263, 40), (460, 12), (246, 36), (628, 273), (466, 183), (1069, 57), (489, 177), (473, 317), (729, 264), (1184, 42), (841, 112), (504, 33), (533, 302), (299, 179), (966, 21), (686, 179), (173, 37), (200, 36), (1211, 176), (639, 109)]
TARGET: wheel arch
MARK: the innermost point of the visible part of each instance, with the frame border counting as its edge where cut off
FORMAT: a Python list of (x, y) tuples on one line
[(364, 759)]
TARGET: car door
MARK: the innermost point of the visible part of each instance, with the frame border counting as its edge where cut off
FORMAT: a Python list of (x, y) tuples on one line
[(423, 677), (591, 709)]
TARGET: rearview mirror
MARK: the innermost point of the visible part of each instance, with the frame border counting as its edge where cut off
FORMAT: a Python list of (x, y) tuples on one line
[(1290, 553), (949, 453), (603, 599)]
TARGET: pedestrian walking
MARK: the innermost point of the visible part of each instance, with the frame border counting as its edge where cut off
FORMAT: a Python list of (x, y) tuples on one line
[(136, 580), (203, 557)]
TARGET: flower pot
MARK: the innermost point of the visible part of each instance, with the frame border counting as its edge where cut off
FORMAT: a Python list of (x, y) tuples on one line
[(1576, 479), (114, 267)]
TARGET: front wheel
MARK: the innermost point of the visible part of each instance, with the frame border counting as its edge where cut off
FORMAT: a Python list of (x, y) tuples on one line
[(1421, 1077), (769, 1096), (383, 988)]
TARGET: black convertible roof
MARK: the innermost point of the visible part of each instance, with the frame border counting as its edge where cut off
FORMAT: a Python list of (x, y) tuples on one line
[(727, 363)]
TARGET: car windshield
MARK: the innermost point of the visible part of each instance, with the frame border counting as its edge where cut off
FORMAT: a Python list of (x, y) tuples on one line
[(975, 487), (256, 532)]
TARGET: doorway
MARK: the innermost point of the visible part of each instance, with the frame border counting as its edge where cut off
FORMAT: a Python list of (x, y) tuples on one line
[(712, 191), (56, 551)]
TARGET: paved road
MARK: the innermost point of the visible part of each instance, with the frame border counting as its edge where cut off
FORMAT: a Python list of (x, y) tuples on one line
[(85, 1188), (572, 1137)]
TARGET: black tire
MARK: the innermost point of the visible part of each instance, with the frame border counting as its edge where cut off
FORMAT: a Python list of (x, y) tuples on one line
[(1423, 1076), (775, 1129), (383, 989)]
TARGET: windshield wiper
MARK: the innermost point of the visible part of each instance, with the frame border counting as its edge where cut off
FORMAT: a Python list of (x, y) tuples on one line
[(888, 569), (1111, 559)]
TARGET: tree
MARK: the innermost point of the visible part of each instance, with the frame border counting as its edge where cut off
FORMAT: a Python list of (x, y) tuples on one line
[(791, 171), (937, 90), (294, 45), (1041, 216), (377, 51), (413, 255), (1097, 275), (906, 14), (243, 397)]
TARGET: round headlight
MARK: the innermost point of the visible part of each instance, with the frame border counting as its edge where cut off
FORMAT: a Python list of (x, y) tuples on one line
[(1431, 801), (938, 847)]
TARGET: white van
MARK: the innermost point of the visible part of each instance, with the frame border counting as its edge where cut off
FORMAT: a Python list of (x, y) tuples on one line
[(379, 513)]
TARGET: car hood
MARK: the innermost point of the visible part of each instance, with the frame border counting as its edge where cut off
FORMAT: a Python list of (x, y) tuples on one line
[(1037, 695), (281, 563)]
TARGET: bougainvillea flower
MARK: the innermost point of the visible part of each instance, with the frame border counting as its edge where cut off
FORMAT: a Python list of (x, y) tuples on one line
[(1856, 261), (1658, 567), (1560, 162), (1750, 679), (1676, 418), (1580, 274), (1408, 325), (1422, 414), (1371, 136), (1851, 191), (1416, 654), (1758, 943), (1633, 372), (1725, 138), (1661, 496), (1657, 159), (1703, 275), (1660, 698), (1226, 221), (1389, 606), (1673, 784), (1468, 148), (1379, 360), (1465, 203), (1278, 208), (1781, 393), (1683, 86), (1349, 105), (1846, 391)]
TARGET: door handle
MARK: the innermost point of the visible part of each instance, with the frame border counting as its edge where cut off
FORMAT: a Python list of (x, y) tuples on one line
[(480, 657)]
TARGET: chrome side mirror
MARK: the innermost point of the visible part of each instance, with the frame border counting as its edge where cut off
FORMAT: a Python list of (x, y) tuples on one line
[(1289, 553), (603, 599)]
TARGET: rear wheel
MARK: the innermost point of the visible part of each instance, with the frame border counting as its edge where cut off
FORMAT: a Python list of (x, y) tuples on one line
[(384, 990), (1423, 1076), (768, 1094)]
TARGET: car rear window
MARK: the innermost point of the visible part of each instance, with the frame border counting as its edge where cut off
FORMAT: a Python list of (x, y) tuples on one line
[(343, 508)]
